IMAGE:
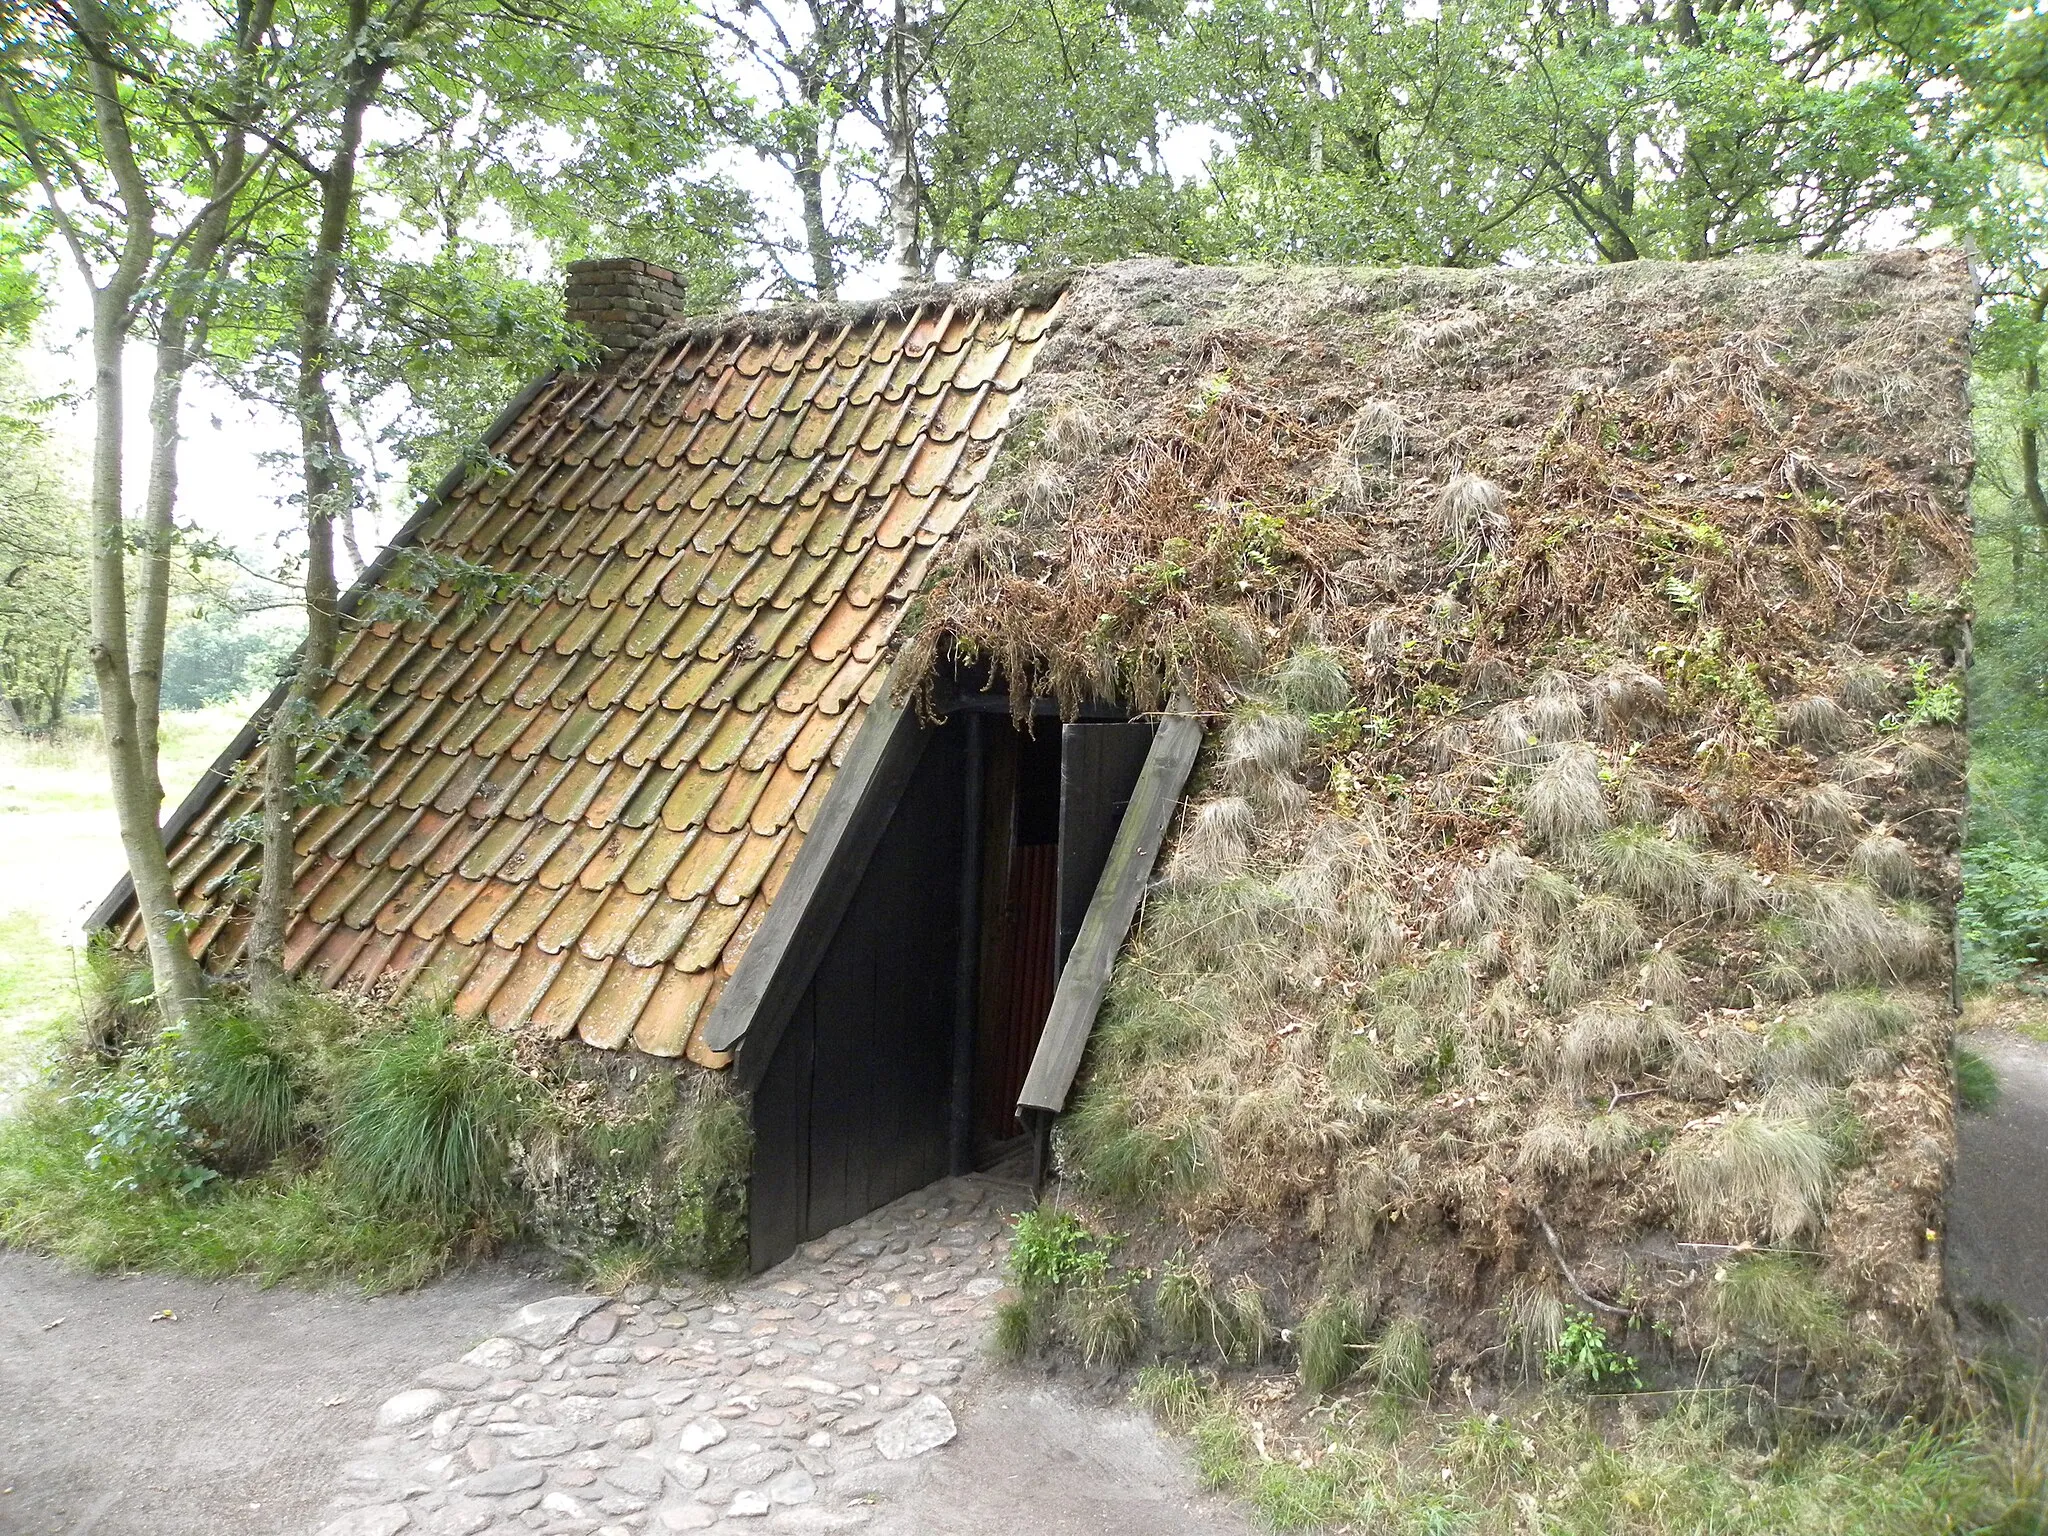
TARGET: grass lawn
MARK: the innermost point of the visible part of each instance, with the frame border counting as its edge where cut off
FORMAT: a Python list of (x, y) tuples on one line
[(60, 852)]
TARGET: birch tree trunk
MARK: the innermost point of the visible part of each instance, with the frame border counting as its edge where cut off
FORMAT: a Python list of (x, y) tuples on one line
[(136, 795), (901, 131)]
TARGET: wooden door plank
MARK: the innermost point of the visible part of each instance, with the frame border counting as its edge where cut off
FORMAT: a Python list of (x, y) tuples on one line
[(1086, 976)]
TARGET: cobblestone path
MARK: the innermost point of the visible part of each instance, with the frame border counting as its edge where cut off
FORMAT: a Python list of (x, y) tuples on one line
[(806, 1399)]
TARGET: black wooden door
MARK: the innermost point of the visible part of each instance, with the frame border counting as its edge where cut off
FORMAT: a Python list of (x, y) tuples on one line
[(1099, 767), (852, 1111)]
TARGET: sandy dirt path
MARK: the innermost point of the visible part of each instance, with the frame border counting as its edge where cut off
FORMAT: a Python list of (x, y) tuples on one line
[(230, 1419)]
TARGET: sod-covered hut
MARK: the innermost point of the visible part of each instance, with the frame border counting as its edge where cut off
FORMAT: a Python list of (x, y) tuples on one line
[(1557, 911)]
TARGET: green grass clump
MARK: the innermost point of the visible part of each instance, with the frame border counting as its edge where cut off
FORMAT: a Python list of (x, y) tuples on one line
[(428, 1116), (284, 1224), (1129, 1159), (1332, 1340), (1548, 1463), (1174, 1395), (1976, 1081), (1189, 1315), (1400, 1361), (1015, 1326), (1779, 1299), (1247, 1328), (243, 1083), (1103, 1320)]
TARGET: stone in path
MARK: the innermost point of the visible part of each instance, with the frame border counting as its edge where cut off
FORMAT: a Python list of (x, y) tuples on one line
[(924, 1426)]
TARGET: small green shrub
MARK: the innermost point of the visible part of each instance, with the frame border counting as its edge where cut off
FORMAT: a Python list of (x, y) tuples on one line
[(1976, 1081), (143, 1135), (1583, 1357), (2003, 916), (428, 1117), (1051, 1249)]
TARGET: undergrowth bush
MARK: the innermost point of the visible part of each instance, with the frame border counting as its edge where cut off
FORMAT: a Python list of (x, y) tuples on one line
[(320, 1138)]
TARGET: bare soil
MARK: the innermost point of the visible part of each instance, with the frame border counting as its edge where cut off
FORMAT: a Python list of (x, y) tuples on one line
[(227, 1417)]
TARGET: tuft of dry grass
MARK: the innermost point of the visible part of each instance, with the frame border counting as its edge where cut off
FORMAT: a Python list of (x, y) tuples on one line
[(1925, 764), (1627, 701), (1829, 812), (1886, 862), (1074, 432), (1555, 714), (1869, 690), (1312, 681), (1247, 1326), (1604, 930), (1503, 1010), (1649, 867), (1563, 806), (1507, 734), (1261, 759), (1554, 1145), (1545, 899), (1215, 843), (1816, 721), (1855, 938), (1532, 1321), (1467, 519), (1664, 977), (1729, 888), (1819, 1046), (1755, 1175), (1605, 1044)]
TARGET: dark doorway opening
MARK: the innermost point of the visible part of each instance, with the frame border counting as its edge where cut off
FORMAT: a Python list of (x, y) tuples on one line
[(904, 1056)]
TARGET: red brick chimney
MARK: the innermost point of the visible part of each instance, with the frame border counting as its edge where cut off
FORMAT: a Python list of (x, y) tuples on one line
[(622, 301)]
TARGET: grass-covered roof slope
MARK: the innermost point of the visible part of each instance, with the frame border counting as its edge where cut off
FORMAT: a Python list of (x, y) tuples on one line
[(1564, 908)]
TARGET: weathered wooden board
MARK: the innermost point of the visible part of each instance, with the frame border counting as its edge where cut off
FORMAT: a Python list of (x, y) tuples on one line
[(1086, 975)]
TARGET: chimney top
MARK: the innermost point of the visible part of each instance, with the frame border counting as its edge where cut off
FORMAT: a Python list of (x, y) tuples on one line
[(622, 301)]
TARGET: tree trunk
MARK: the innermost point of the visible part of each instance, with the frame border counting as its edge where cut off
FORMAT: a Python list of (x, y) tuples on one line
[(901, 128), (175, 973), (2030, 430), (328, 486), (810, 185), (159, 505), (178, 982), (186, 305)]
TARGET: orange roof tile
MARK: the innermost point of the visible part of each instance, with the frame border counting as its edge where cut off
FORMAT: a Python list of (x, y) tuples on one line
[(579, 808)]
